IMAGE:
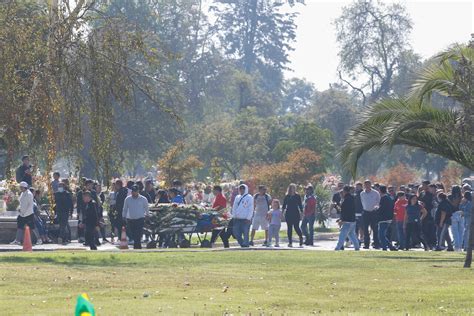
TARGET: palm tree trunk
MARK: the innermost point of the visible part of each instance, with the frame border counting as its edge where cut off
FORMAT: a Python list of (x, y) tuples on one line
[(469, 121)]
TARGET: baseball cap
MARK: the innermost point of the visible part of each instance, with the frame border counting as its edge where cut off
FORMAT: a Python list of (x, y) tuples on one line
[(23, 184)]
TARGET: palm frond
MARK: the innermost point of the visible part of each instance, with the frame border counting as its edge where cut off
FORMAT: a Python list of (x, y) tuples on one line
[(405, 122)]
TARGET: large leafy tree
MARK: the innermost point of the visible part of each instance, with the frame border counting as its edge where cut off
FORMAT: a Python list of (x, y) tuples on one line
[(413, 120), (258, 35), (232, 142), (373, 40), (69, 64)]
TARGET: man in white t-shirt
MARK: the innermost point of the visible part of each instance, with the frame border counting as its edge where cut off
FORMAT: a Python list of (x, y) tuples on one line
[(26, 216)]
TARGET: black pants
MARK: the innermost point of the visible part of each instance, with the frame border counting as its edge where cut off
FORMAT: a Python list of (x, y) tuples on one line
[(371, 219), (27, 220), (64, 228), (428, 229), (413, 230), (293, 223), (136, 231), (90, 237), (224, 234)]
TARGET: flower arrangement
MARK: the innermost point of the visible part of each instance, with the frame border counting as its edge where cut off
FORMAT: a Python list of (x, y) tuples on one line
[(165, 216)]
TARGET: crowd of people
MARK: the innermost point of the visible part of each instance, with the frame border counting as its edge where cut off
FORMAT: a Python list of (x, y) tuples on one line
[(384, 218), (372, 215)]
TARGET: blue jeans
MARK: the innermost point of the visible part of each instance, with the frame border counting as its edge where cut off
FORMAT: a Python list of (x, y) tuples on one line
[(348, 230), (308, 221), (241, 231), (383, 227), (400, 234), (457, 228), (443, 236), (467, 229)]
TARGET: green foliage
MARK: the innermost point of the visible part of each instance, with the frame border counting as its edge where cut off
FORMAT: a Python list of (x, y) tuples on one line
[(259, 35), (176, 165), (373, 39), (324, 204), (305, 135), (414, 122)]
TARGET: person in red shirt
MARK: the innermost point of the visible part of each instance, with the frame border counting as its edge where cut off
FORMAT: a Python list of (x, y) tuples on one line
[(220, 204), (400, 209)]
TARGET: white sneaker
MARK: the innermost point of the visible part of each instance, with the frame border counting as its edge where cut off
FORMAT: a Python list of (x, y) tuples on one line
[(39, 242), (15, 242)]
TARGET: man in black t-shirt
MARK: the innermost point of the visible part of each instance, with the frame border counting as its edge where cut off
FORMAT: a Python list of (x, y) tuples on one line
[(428, 227), (23, 172)]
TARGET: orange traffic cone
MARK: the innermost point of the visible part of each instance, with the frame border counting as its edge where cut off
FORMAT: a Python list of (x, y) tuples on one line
[(123, 240), (27, 239)]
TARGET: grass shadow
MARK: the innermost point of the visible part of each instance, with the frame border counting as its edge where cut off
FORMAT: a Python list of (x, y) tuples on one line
[(111, 260)]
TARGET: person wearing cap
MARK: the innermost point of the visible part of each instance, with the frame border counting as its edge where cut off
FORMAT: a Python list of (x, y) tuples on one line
[(23, 172), (135, 209), (26, 216)]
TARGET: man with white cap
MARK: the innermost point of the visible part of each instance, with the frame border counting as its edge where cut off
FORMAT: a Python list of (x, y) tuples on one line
[(26, 216)]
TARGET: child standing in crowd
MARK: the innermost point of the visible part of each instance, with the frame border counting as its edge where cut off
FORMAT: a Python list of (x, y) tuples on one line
[(400, 211), (414, 215), (274, 216)]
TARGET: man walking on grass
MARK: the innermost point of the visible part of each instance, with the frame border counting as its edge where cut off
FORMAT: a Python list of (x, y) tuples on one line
[(26, 216)]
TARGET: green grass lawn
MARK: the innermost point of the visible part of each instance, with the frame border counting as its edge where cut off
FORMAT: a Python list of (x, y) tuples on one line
[(237, 282)]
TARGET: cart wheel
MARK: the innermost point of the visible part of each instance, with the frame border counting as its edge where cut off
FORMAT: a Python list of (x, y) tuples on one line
[(206, 244), (184, 243), (172, 244), (151, 245)]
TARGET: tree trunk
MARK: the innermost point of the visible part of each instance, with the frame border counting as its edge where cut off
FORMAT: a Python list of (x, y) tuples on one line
[(468, 261), (469, 121)]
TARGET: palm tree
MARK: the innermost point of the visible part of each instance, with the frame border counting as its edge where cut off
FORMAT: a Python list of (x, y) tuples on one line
[(413, 120)]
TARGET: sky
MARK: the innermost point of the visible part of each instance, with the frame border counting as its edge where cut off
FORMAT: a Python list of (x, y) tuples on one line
[(436, 24)]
